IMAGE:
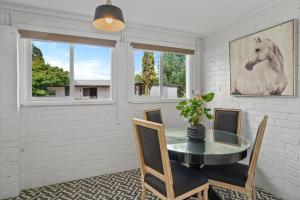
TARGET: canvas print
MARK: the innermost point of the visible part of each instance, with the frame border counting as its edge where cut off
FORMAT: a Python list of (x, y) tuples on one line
[(263, 63)]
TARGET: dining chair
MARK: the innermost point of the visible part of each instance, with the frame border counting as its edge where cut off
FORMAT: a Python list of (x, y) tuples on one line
[(236, 176), (168, 180), (227, 119), (153, 115)]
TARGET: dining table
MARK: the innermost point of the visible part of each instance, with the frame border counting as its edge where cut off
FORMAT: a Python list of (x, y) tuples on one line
[(217, 148)]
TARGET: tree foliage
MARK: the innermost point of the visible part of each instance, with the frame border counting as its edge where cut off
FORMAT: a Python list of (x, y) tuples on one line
[(44, 75), (138, 78), (174, 66), (148, 71)]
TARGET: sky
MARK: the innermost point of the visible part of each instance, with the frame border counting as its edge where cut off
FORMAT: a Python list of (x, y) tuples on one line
[(90, 62)]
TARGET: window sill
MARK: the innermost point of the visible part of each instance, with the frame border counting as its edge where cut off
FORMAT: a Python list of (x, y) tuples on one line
[(140, 100), (67, 103)]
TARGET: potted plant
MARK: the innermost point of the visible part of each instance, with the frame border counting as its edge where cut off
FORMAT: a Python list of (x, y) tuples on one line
[(194, 110)]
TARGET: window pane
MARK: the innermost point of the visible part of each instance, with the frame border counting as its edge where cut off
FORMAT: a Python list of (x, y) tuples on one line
[(86, 92), (92, 72), (174, 75), (146, 73), (50, 69)]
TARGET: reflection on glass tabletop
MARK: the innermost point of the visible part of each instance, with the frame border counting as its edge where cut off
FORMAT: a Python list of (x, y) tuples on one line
[(215, 143)]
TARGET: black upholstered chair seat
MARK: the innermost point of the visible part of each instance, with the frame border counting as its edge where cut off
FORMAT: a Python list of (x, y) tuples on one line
[(184, 180), (235, 174)]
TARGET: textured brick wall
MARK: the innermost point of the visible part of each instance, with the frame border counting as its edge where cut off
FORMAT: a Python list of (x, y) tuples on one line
[(9, 116), (278, 168), (61, 143)]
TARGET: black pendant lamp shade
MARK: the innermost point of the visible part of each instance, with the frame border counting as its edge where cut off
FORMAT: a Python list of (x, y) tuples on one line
[(109, 18)]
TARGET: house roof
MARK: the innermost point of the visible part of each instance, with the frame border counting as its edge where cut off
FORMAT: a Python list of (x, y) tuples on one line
[(92, 83)]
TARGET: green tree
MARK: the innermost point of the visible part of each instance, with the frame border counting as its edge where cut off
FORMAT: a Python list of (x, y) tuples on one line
[(148, 71), (174, 71), (37, 57), (138, 78), (45, 75)]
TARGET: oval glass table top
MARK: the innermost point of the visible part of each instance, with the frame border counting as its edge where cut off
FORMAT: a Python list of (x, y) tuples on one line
[(218, 147)]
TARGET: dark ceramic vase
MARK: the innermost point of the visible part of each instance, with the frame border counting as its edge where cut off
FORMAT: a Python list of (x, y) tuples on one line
[(196, 132)]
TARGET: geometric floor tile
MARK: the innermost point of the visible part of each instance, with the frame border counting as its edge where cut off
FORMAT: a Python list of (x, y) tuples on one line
[(117, 186)]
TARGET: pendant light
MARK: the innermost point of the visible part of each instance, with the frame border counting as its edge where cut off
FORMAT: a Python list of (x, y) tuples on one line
[(109, 18)]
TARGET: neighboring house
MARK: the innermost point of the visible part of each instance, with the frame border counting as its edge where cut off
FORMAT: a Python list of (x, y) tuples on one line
[(168, 91), (85, 89), (92, 89)]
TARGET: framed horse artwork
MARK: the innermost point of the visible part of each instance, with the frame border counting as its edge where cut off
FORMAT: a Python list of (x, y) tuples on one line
[(263, 63)]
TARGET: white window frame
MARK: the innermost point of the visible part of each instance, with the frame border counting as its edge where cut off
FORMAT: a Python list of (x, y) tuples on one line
[(132, 98), (25, 61)]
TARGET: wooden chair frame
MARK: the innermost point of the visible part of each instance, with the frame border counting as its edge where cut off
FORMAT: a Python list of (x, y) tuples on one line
[(249, 189), (151, 110), (233, 110), (166, 177)]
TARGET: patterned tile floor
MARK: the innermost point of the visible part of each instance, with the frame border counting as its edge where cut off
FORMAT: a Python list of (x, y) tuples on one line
[(117, 186)]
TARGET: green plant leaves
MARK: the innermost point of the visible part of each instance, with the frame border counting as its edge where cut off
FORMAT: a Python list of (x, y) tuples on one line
[(208, 97), (207, 113), (193, 110)]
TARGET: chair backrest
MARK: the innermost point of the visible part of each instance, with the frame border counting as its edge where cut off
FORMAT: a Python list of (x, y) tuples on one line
[(255, 151), (152, 150), (226, 119), (153, 115)]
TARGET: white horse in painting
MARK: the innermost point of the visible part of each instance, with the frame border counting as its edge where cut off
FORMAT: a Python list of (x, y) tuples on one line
[(263, 74)]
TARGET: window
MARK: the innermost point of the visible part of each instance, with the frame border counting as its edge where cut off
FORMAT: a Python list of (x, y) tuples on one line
[(90, 92), (51, 66), (92, 72), (160, 75), (50, 69), (66, 70)]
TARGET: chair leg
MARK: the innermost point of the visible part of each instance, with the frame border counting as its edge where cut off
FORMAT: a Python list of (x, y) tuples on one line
[(144, 193), (249, 195), (253, 192), (205, 194), (200, 196)]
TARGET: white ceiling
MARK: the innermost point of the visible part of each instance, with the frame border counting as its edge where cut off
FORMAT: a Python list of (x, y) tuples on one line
[(197, 16)]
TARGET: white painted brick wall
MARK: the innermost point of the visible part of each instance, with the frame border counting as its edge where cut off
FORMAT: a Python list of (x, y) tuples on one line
[(61, 143), (9, 120), (278, 169)]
